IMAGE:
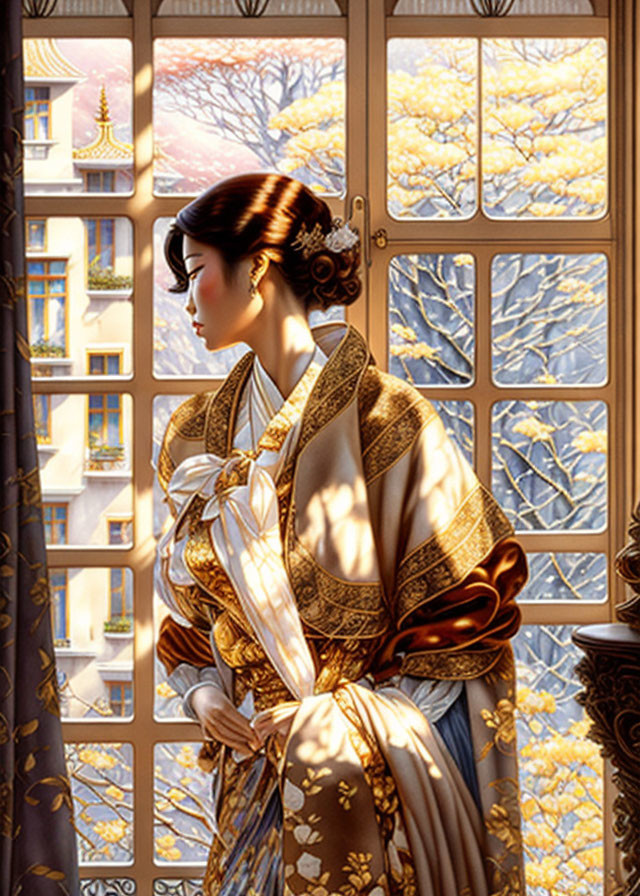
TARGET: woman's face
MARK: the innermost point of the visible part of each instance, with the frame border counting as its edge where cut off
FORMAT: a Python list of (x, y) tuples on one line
[(221, 309)]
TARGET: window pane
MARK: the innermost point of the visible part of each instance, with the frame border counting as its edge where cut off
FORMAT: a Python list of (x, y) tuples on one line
[(248, 104), (560, 768), (431, 318), (177, 351), (80, 304), (94, 644), (108, 886), (432, 89), (90, 8), (183, 823), (549, 463), (458, 420), (519, 8), (87, 465), (549, 319), (88, 117), (177, 888), (544, 149), (566, 577), (253, 7), (102, 787), (167, 703)]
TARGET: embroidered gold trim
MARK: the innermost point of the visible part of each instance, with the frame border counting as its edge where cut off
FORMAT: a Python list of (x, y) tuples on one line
[(331, 606), (443, 664), (448, 556), (392, 414)]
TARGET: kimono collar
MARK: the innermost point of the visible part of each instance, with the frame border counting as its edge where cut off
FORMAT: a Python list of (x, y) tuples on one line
[(348, 357)]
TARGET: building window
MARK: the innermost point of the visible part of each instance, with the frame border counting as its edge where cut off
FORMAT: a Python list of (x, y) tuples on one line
[(36, 235), (120, 697), (120, 596), (42, 418), (106, 447), (37, 113), (55, 523), (100, 181), (120, 531), (100, 245), (47, 294), (104, 363), (58, 592)]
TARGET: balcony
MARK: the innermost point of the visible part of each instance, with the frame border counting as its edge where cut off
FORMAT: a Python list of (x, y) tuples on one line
[(103, 458), (118, 625), (105, 283)]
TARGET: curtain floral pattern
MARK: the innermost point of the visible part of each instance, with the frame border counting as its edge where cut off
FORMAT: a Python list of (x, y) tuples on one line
[(37, 842)]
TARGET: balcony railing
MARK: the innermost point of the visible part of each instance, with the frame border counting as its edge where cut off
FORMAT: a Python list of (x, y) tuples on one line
[(118, 625), (106, 457), (107, 280), (46, 349)]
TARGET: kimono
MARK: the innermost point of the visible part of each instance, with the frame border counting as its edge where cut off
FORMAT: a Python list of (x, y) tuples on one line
[(335, 566)]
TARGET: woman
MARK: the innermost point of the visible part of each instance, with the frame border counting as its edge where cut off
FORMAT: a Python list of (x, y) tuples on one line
[(341, 586)]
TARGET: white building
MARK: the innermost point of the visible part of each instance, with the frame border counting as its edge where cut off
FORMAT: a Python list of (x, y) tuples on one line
[(79, 290)]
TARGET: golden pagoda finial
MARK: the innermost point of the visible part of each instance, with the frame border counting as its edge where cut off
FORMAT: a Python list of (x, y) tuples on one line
[(103, 107)]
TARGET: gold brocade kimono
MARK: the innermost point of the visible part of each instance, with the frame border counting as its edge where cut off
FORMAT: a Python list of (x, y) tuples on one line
[(403, 568)]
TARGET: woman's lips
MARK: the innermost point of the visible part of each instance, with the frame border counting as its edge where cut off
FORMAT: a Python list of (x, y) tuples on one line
[(197, 326)]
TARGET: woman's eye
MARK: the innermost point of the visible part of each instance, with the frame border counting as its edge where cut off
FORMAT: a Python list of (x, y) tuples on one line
[(193, 273)]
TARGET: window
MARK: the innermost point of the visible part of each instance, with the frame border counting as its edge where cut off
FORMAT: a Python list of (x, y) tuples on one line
[(100, 181), (37, 113), (36, 235), (55, 523), (100, 244), (120, 531), (106, 445), (120, 697), (47, 307), (120, 598), (59, 616), (104, 363), (42, 418), (475, 202)]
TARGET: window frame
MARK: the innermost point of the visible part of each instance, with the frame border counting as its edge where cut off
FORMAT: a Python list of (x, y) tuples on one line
[(32, 114), (52, 506), (365, 29), (47, 297)]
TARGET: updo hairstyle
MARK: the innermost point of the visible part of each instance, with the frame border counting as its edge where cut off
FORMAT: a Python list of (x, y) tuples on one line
[(243, 215)]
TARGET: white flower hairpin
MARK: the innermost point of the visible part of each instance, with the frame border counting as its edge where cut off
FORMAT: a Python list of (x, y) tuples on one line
[(339, 238)]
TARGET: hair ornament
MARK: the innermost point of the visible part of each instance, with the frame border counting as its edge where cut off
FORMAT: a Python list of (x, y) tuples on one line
[(340, 237)]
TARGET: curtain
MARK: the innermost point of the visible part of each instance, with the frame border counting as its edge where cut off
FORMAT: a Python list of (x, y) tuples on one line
[(38, 852)]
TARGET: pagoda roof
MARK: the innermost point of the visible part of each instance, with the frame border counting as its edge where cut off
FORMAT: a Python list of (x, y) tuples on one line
[(105, 147), (43, 61)]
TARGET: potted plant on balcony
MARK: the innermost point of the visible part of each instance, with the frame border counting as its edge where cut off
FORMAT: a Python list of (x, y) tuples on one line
[(101, 279), (118, 625), (46, 349), (103, 456)]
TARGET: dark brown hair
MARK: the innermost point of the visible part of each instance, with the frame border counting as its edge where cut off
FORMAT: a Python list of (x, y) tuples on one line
[(242, 215)]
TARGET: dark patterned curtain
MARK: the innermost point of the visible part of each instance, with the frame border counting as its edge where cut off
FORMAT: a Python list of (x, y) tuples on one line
[(38, 851)]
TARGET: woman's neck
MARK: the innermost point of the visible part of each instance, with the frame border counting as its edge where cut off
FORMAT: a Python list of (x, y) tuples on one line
[(281, 337)]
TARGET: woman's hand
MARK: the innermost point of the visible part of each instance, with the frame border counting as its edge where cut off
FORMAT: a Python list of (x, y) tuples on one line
[(221, 721)]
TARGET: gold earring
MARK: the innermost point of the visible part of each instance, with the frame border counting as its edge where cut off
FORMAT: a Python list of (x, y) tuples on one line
[(258, 268)]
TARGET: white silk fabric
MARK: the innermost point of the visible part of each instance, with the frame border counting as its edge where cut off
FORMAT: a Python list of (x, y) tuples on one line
[(245, 533)]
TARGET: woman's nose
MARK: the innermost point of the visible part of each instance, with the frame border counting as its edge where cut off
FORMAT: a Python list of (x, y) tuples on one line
[(190, 307)]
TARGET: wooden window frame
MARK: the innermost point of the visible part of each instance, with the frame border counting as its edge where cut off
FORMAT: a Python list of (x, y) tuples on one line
[(122, 686), (366, 30)]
